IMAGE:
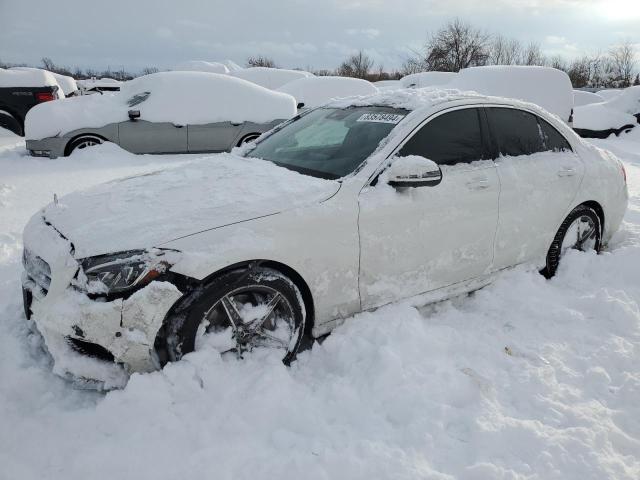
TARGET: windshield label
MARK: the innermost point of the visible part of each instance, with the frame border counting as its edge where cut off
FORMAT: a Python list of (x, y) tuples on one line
[(381, 118)]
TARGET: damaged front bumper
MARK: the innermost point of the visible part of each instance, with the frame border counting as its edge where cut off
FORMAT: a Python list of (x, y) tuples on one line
[(89, 338)]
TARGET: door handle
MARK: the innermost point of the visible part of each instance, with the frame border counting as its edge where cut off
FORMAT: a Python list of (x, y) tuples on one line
[(567, 172), (478, 184)]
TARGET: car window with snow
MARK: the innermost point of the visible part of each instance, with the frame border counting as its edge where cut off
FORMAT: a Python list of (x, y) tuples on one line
[(517, 131), (451, 138), (329, 142), (553, 139)]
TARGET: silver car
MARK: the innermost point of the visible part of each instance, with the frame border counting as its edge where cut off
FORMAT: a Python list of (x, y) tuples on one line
[(169, 112)]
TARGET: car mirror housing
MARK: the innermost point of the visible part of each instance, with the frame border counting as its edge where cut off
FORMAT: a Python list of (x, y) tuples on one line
[(413, 171), (134, 115)]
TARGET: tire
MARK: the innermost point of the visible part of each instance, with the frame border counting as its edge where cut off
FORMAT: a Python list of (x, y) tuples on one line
[(583, 223), (11, 123), (209, 312), (83, 142), (248, 138)]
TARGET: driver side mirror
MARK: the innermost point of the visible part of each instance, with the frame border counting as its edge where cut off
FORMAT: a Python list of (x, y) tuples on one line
[(134, 115), (413, 171)]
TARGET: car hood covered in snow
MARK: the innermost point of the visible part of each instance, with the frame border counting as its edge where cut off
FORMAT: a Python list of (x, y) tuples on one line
[(151, 209)]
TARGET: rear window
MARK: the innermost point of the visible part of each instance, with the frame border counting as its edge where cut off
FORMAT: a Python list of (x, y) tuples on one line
[(516, 131)]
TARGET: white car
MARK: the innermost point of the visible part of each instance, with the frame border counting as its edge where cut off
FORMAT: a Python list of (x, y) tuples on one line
[(342, 209)]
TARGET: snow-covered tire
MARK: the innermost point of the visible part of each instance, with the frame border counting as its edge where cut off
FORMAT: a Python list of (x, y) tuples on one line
[(10, 122), (585, 224), (209, 309), (83, 142)]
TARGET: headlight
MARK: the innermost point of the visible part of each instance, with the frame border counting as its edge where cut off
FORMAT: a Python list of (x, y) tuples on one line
[(120, 272)]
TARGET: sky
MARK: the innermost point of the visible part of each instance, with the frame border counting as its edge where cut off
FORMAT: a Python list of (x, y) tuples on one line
[(311, 34)]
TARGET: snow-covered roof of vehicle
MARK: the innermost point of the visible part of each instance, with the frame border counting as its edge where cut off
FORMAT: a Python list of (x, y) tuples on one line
[(627, 101), (177, 97), (67, 84), (609, 93), (582, 97), (26, 77), (614, 113), (547, 87), (272, 78), (426, 79), (316, 91), (201, 66)]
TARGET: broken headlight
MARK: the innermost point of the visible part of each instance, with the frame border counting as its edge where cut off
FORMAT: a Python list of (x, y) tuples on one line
[(124, 271)]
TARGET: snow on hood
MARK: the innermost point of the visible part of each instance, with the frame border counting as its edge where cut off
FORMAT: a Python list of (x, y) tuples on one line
[(27, 77), (177, 97), (270, 77), (316, 91), (547, 87), (151, 209)]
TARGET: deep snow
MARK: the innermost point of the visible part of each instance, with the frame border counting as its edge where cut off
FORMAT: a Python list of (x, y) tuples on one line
[(526, 378)]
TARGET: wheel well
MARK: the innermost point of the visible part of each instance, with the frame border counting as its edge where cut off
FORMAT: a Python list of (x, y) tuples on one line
[(67, 148), (295, 277), (244, 137), (599, 211)]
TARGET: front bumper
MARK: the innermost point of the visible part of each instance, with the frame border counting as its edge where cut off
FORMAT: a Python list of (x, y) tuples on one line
[(52, 147), (89, 339)]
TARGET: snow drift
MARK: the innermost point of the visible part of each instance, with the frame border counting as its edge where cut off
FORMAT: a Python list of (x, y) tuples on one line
[(179, 97), (316, 91)]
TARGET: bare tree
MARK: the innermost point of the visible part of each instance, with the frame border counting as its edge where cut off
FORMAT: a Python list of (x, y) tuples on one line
[(558, 61), (456, 46), (504, 51), (260, 61), (357, 65), (637, 81), (532, 55), (623, 60), (412, 65), (149, 70), (48, 64)]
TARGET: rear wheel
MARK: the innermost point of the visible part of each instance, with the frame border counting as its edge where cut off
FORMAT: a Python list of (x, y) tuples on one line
[(82, 143), (581, 230), (238, 312), (10, 122)]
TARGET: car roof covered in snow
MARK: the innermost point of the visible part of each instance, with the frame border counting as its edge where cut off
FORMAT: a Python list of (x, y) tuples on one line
[(27, 77), (582, 97), (201, 66), (177, 97), (316, 91), (66, 83), (547, 87), (270, 77)]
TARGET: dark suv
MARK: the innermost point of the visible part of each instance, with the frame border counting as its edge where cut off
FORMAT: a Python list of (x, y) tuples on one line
[(16, 101)]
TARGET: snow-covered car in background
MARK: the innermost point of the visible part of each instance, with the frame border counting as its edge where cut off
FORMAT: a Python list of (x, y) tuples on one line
[(547, 87), (620, 113), (21, 90), (267, 77), (168, 112), (583, 97), (67, 84), (344, 208), (311, 92), (92, 86), (201, 66)]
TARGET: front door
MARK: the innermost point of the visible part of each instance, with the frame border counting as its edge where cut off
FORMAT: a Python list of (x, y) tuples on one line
[(140, 136)]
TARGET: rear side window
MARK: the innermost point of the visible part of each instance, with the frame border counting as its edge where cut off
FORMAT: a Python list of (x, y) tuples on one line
[(451, 138), (516, 131), (553, 140)]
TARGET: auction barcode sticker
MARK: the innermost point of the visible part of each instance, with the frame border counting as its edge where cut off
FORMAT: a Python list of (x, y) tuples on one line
[(380, 117)]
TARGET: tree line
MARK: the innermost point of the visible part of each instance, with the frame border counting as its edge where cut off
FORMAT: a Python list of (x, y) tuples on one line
[(454, 46)]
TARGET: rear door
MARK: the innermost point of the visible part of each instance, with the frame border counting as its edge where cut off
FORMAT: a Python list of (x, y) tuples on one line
[(140, 136), (539, 178), (213, 137), (415, 240)]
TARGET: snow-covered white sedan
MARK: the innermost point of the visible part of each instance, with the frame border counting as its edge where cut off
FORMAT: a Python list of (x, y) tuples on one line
[(167, 112), (407, 193)]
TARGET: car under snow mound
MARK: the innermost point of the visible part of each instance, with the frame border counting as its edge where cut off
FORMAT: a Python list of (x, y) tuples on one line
[(201, 66), (272, 78), (311, 92), (167, 112), (582, 97), (427, 79), (620, 113), (547, 87)]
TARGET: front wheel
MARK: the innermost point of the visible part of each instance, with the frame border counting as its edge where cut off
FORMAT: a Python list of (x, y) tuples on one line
[(241, 311), (581, 230), (82, 143)]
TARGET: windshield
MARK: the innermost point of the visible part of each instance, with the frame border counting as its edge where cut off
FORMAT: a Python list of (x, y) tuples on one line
[(329, 142)]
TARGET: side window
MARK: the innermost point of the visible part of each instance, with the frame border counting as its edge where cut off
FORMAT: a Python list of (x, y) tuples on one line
[(553, 140), (516, 131), (450, 138)]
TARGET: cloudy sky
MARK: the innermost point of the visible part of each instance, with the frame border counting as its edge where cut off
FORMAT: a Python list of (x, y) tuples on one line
[(305, 33)]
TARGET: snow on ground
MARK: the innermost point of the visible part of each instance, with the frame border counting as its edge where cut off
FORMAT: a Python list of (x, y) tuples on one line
[(526, 378)]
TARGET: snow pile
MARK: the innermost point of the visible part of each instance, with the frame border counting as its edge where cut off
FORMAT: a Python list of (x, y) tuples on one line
[(31, 77), (547, 87), (527, 378), (609, 93), (178, 97), (582, 97), (201, 66), (388, 84), (628, 101), (426, 79), (316, 91), (151, 209), (272, 78)]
